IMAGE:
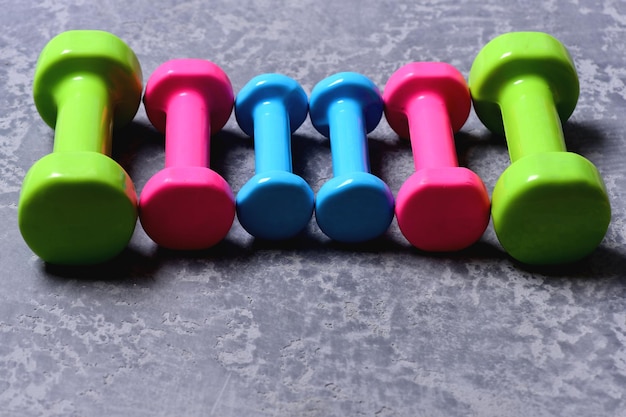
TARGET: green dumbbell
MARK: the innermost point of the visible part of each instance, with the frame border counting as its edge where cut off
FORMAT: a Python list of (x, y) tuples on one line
[(549, 206), (77, 205)]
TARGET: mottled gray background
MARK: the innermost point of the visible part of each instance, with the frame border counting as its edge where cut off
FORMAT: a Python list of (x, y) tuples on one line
[(309, 327)]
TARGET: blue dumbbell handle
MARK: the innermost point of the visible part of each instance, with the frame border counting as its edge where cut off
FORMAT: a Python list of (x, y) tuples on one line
[(272, 137), (348, 138)]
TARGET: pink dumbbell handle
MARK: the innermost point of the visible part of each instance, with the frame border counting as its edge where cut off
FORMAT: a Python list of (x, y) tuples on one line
[(432, 139), (187, 131)]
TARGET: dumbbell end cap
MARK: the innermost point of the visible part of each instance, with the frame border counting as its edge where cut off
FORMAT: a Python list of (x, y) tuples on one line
[(511, 56), (443, 209), (419, 78), (275, 205), (550, 208), (354, 208), (77, 208), (342, 86), (271, 87), (77, 52), (186, 208), (181, 76)]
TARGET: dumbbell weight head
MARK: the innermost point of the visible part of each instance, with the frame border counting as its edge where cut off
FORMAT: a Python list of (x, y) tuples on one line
[(416, 79), (77, 205), (77, 53), (511, 57), (272, 86), (549, 206), (347, 85)]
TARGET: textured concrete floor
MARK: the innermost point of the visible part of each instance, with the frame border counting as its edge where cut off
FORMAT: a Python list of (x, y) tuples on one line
[(309, 327)]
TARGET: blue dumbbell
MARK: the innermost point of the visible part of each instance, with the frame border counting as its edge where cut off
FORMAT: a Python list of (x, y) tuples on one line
[(355, 205), (275, 203)]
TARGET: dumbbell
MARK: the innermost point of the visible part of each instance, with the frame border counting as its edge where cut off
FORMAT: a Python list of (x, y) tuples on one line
[(549, 206), (441, 207), (355, 205), (77, 205), (186, 205), (275, 203)]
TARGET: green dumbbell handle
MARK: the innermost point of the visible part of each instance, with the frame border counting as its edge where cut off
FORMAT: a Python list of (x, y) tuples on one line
[(83, 120), (531, 121)]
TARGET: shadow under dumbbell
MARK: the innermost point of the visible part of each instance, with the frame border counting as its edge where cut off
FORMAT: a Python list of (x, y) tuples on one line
[(381, 244), (128, 267), (466, 141), (582, 138), (303, 242), (232, 156), (601, 265), (478, 251), (311, 158), (139, 149), (391, 160), (224, 250)]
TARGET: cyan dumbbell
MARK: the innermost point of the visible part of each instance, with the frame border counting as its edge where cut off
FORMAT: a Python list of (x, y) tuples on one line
[(275, 203), (354, 206)]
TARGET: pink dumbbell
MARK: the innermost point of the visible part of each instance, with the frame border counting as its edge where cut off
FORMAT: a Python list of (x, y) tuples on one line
[(187, 205), (441, 207)]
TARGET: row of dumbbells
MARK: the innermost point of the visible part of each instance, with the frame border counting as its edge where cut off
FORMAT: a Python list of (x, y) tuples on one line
[(78, 206)]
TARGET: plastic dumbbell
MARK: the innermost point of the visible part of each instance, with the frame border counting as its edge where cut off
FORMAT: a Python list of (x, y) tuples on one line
[(77, 205), (355, 205), (186, 205), (275, 203), (549, 206), (441, 207)]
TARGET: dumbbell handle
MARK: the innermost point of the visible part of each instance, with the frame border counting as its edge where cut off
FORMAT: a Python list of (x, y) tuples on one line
[(272, 142), (84, 119), (348, 138), (531, 122), (187, 131), (432, 139)]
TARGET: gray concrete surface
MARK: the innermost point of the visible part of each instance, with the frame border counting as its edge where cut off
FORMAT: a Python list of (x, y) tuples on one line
[(310, 327)]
